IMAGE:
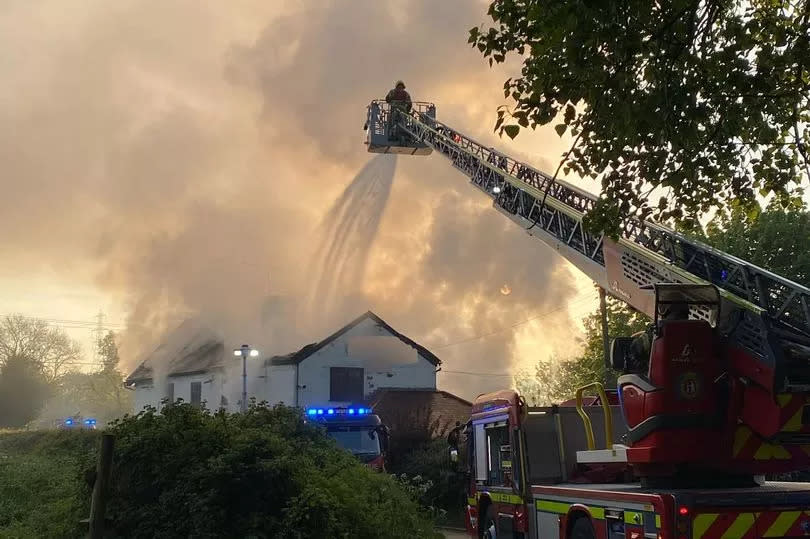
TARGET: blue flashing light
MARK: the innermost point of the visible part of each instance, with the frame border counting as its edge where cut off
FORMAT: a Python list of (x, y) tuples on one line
[(723, 275), (338, 411), (88, 422), (68, 421)]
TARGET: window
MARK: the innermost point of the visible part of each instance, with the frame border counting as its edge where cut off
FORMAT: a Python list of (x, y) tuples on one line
[(345, 384), (360, 440), (499, 455), (196, 393)]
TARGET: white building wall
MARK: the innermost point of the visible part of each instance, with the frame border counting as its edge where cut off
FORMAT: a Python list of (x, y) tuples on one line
[(314, 371), (147, 394), (210, 386), (282, 382)]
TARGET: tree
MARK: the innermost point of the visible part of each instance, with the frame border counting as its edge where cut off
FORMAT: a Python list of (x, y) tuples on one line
[(555, 381), (99, 394), (109, 352), (47, 347), (774, 239), (539, 388), (23, 391), (698, 101)]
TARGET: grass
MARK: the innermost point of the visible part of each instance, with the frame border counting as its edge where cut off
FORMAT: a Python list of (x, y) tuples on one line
[(42, 488)]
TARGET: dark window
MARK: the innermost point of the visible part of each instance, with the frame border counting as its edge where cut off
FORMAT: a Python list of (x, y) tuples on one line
[(345, 384), (196, 393)]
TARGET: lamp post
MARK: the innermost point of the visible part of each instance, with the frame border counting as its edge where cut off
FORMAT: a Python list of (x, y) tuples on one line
[(244, 351)]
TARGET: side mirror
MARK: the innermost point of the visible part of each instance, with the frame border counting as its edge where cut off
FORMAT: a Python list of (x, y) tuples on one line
[(382, 433), (619, 350)]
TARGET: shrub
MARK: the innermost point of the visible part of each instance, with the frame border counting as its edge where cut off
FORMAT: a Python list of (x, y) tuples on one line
[(439, 487), (265, 473), (43, 492)]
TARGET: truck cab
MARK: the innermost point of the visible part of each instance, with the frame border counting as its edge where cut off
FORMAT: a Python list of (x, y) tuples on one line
[(357, 430)]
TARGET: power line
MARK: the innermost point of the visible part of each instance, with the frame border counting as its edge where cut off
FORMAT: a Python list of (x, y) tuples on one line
[(491, 333), (72, 324), (81, 324)]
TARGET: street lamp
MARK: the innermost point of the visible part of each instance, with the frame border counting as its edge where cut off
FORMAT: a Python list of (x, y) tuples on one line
[(244, 351)]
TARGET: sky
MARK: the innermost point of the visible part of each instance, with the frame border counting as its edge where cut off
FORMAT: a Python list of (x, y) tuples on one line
[(170, 158)]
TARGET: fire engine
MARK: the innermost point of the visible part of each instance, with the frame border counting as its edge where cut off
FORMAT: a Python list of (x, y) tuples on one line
[(718, 399), (356, 429)]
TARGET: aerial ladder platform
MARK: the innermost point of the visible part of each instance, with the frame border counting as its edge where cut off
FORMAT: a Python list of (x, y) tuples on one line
[(760, 320)]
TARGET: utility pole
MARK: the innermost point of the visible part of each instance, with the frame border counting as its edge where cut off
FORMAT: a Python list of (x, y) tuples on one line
[(97, 334)]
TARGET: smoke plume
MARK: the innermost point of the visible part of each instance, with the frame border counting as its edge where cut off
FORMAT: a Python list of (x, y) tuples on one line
[(185, 157)]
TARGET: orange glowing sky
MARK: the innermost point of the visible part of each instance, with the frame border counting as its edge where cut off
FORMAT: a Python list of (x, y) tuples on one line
[(171, 157)]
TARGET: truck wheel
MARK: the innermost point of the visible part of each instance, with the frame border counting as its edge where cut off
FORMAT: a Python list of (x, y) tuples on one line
[(582, 529)]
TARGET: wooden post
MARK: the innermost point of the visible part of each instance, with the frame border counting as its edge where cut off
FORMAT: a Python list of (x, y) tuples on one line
[(99, 500), (605, 336)]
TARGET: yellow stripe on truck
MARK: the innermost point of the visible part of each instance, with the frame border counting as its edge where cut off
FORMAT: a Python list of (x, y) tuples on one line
[(560, 508), (783, 523), (702, 523), (501, 497), (742, 524), (553, 507), (632, 517)]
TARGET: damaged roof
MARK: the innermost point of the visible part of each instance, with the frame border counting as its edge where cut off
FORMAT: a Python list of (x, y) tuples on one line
[(308, 350), (201, 352)]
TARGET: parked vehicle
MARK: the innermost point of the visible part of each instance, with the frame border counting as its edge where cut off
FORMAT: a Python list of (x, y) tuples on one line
[(356, 429)]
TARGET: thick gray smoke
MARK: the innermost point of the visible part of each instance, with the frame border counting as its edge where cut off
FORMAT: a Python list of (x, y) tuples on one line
[(181, 155)]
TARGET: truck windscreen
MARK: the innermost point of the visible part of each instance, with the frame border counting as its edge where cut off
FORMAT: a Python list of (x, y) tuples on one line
[(361, 440)]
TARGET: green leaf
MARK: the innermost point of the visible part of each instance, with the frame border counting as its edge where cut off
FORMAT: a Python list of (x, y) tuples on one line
[(570, 113), (511, 130)]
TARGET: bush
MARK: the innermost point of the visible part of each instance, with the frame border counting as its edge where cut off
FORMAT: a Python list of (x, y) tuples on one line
[(262, 474), (43, 492), (438, 486)]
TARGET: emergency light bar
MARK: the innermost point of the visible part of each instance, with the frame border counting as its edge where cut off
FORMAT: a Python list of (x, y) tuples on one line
[(68, 421), (90, 421), (337, 411)]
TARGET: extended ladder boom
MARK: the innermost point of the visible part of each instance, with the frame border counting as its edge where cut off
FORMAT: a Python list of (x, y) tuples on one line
[(763, 313)]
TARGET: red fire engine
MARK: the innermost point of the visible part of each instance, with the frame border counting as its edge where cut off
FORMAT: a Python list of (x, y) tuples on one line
[(712, 398)]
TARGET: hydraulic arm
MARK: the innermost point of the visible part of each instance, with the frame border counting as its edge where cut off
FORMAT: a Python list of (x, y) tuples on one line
[(766, 315)]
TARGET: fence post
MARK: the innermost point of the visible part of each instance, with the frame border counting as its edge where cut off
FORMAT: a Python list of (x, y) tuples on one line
[(99, 500)]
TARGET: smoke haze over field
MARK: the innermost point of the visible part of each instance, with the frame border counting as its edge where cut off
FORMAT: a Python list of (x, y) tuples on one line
[(185, 156)]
